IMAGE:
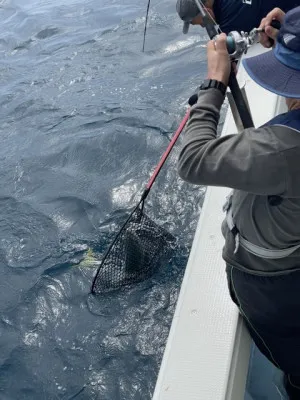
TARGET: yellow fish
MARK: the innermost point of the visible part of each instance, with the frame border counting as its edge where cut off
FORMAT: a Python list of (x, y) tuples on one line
[(90, 260)]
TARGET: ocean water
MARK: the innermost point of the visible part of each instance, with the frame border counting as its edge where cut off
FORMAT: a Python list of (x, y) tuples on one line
[(84, 119)]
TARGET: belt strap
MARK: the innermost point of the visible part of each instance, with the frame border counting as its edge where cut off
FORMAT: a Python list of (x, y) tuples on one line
[(250, 247)]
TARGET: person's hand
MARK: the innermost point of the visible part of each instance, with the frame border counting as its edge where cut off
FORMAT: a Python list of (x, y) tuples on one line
[(218, 60), (270, 32)]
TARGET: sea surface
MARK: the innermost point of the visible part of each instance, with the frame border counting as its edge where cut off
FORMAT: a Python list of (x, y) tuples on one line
[(85, 116)]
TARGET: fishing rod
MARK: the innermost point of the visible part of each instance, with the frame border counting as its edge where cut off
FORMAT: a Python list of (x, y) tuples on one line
[(238, 44)]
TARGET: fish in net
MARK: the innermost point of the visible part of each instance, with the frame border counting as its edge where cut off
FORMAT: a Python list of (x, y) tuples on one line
[(135, 255)]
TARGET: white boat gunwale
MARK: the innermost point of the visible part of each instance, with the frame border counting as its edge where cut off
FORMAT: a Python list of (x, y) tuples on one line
[(208, 348)]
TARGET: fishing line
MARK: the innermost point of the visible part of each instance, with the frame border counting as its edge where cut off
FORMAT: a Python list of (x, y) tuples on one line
[(201, 7), (146, 20), (202, 10)]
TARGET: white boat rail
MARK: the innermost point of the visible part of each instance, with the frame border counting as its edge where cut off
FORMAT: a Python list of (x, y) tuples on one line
[(207, 352)]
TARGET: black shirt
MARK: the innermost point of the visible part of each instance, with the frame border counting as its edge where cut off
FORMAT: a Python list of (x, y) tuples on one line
[(244, 15)]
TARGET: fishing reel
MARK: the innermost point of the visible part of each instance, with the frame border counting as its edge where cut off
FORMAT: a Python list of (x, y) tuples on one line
[(238, 43)]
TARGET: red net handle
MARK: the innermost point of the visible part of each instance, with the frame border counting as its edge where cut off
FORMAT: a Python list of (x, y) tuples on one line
[(166, 154)]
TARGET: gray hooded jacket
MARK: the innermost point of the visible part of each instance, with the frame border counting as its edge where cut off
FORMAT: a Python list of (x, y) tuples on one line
[(256, 163)]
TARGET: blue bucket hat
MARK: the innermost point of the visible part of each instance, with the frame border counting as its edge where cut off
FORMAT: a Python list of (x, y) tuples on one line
[(278, 70)]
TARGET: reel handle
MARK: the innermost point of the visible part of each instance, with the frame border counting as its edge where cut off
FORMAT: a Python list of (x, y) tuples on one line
[(277, 25)]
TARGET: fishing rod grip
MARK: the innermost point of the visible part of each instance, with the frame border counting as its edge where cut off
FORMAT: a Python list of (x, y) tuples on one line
[(212, 31), (240, 101), (276, 25)]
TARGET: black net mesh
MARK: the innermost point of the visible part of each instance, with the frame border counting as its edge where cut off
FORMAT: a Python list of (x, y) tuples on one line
[(140, 247)]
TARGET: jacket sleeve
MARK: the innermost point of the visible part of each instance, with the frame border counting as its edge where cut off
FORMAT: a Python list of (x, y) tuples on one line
[(249, 161)]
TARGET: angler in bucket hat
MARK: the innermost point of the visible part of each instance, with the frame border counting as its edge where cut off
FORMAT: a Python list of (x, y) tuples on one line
[(262, 222), (231, 15), (279, 71)]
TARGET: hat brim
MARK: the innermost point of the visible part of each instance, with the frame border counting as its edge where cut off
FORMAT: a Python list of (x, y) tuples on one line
[(186, 27), (272, 75)]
